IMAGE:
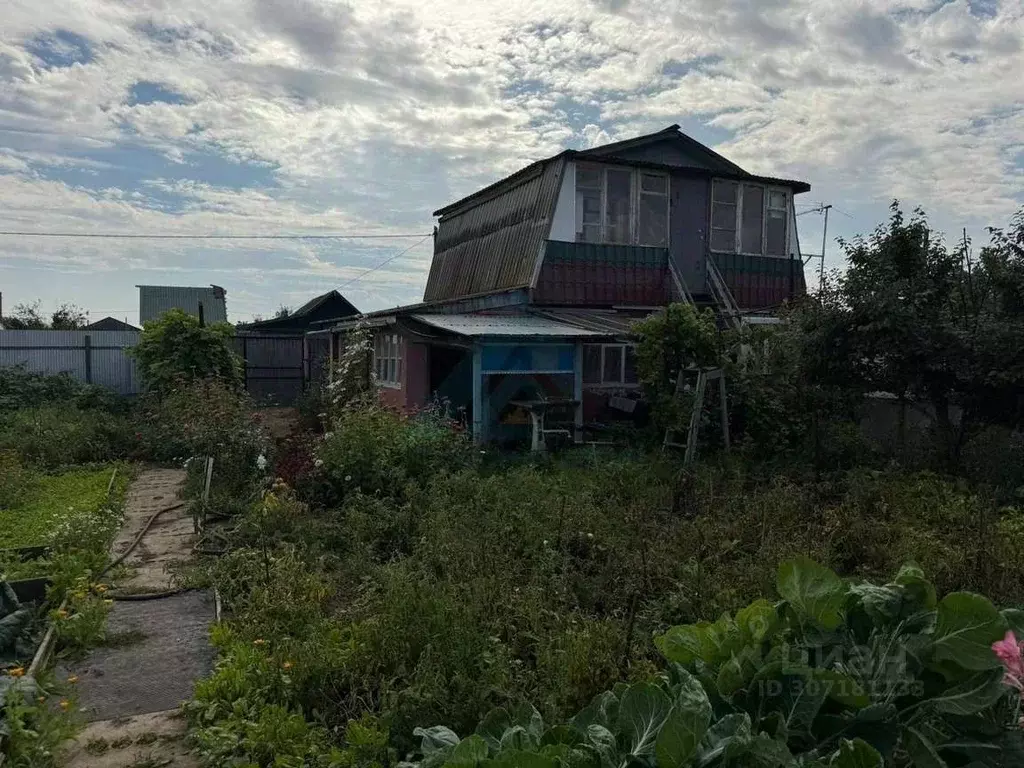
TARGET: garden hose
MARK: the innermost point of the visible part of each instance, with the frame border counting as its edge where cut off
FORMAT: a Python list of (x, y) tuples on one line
[(129, 596), (120, 558)]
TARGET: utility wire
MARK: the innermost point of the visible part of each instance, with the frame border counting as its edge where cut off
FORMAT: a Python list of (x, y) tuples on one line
[(127, 236), (361, 275)]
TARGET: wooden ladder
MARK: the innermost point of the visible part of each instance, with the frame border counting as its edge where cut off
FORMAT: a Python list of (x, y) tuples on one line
[(704, 375)]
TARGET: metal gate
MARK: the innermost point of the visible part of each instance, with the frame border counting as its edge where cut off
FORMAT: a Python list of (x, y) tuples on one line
[(275, 367)]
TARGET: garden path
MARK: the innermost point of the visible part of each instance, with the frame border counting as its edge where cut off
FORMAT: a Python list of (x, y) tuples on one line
[(129, 690)]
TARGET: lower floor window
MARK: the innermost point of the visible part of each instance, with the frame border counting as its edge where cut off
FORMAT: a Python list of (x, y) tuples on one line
[(387, 359), (609, 364)]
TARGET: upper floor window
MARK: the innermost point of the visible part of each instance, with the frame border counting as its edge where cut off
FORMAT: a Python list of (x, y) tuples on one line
[(749, 218), (387, 359), (621, 205)]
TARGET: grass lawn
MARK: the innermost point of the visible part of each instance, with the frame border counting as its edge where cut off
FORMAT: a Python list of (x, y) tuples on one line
[(49, 500)]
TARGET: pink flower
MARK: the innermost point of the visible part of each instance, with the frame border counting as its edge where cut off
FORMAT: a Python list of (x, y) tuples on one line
[(1009, 652)]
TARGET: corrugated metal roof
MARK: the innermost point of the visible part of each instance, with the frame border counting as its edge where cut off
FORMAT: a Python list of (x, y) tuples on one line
[(504, 325), (609, 322), (154, 300), (492, 243)]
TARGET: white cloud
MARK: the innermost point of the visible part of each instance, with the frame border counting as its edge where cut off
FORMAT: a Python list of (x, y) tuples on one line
[(370, 115)]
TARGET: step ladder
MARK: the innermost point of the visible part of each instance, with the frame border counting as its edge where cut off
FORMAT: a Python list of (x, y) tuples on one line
[(703, 376)]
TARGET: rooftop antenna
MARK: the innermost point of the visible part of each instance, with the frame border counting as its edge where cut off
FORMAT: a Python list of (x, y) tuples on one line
[(822, 208)]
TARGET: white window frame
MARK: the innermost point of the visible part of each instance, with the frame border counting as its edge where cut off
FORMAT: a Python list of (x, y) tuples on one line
[(387, 359), (767, 190), (621, 383), (635, 193)]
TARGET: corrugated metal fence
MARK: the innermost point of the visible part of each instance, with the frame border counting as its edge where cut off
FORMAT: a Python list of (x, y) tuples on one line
[(276, 369), (97, 357)]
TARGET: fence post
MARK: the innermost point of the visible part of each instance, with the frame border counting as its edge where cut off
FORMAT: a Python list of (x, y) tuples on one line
[(245, 362), (88, 359)]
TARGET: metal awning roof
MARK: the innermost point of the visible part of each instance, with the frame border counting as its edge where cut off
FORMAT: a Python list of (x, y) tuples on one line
[(505, 325), (609, 322)]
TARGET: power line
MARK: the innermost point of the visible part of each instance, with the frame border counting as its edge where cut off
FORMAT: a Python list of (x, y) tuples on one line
[(385, 262), (137, 236)]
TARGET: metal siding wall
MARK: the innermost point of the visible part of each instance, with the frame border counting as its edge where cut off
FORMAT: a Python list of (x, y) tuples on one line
[(157, 299), (495, 244), (592, 274), (760, 282), (688, 220), (53, 352)]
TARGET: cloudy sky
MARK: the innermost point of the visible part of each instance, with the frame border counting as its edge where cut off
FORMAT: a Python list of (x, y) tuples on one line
[(278, 116)]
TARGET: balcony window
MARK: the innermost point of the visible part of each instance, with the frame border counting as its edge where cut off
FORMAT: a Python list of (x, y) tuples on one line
[(621, 206), (749, 218)]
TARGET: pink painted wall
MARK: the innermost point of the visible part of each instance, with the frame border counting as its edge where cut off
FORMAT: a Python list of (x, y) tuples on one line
[(415, 378)]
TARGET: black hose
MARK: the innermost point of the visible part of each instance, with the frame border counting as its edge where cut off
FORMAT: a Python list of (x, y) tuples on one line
[(120, 558), (128, 597)]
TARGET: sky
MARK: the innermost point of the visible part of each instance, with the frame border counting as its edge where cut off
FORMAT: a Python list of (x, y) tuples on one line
[(319, 116)]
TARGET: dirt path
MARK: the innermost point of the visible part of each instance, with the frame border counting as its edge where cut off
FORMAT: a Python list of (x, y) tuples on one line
[(129, 690)]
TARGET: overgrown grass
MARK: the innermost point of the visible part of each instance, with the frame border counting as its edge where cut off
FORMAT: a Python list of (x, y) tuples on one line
[(50, 501), (415, 590)]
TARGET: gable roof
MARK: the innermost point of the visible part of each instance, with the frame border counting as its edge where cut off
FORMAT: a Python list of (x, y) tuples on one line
[(343, 308), (109, 324), (491, 240), (673, 135)]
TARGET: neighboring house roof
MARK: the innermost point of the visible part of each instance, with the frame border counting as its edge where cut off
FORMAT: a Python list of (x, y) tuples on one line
[(109, 324), (492, 239), (327, 306), (155, 300)]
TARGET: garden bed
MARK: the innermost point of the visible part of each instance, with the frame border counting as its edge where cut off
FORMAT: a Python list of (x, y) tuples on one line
[(49, 501)]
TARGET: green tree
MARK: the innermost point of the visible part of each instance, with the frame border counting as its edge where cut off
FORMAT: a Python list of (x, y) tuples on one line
[(679, 337), (175, 347), (929, 324), (28, 317), (68, 317)]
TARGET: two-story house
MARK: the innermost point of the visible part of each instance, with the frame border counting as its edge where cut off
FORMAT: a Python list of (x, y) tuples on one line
[(536, 278)]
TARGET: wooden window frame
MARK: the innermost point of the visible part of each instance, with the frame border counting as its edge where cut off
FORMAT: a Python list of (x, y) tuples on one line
[(767, 190), (635, 192), (390, 356), (621, 383)]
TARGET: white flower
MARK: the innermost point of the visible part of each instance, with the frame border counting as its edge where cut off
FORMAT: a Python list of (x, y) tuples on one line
[(318, 463), (590, 535), (261, 462), (545, 542), (348, 478)]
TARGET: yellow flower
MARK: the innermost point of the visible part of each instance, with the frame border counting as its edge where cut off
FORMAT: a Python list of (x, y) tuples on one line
[(65, 705), (16, 672), (259, 641), (72, 679), (286, 665), (109, 602)]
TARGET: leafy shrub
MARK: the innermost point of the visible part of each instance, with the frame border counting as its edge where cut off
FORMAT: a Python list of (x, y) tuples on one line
[(914, 676), (197, 419), (175, 348), (375, 450), (20, 388), (60, 435), (836, 674)]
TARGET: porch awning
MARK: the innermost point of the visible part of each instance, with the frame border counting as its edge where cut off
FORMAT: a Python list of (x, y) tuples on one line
[(519, 326)]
